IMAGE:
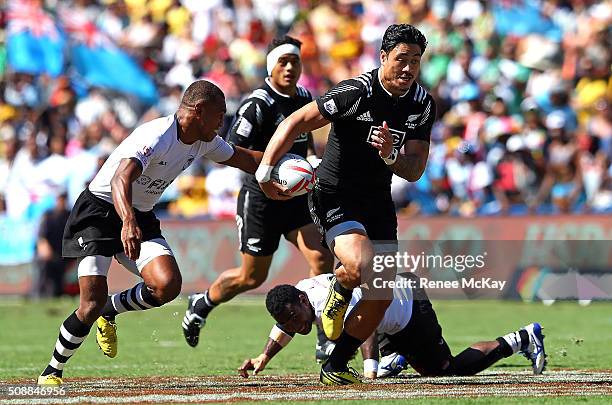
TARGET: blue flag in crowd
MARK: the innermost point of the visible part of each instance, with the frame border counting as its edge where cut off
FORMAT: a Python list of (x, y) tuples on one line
[(113, 69), (524, 18), (101, 63), (35, 44)]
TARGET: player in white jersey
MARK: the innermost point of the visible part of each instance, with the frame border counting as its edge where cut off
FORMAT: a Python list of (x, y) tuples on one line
[(409, 328), (113, 217)]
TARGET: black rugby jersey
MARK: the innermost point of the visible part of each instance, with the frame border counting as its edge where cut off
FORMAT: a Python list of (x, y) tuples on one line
[(258, 117), (357, 107)]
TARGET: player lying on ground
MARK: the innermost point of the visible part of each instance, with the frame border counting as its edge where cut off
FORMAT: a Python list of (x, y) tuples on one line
[(409, 327), (114, 217)]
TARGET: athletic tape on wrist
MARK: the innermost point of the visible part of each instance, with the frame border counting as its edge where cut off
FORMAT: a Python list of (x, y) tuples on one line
[(389, 160), (280, 336), (263, 172), (370, 365), (279, 51)]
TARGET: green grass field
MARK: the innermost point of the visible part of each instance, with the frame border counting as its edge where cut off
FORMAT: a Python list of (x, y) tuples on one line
[(151, 342)]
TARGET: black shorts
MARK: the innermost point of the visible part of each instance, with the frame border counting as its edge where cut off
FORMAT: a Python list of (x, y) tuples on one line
[(421, 341), (336, 212), (261, 221), (94, 228)]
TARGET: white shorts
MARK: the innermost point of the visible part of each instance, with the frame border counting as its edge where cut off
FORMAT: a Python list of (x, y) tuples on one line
[(99, 265)]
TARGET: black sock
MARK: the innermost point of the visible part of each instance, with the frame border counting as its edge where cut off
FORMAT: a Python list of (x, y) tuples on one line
[(72, 333), (109, 311), (321, 338), (204, 305), (524, 339), (346, 346), (504, 347), (345, 292), (472, 361)]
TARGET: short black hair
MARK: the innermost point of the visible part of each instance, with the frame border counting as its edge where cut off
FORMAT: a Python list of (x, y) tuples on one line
[(202, 90), (284, 40), (403, 33), (280, 297)]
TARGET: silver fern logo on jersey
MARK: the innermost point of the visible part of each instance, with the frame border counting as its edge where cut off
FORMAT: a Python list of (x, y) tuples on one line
[(410, 122)]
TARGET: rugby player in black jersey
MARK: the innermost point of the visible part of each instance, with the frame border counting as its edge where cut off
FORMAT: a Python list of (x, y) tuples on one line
[(373, 117), (262, 221)]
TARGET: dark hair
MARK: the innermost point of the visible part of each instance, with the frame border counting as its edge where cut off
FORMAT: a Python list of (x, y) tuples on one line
[(402, 33), (280, 297), (202, 90), (284, 40)]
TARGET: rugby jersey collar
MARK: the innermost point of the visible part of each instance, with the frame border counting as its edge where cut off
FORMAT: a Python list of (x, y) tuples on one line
[(387, 91), (271, 86)]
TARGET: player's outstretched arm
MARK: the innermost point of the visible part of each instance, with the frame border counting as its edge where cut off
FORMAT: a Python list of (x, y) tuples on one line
[(411, 164), (277, 340), (244, 159), (121, 188), (306, 119), (369, 352)]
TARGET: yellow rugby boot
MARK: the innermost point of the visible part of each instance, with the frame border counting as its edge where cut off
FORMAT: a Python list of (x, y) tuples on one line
[(343, 377), (50, 379), (332, 318), (106, 336)]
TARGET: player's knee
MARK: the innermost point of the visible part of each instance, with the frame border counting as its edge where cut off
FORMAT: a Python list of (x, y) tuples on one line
[(167, 287), (355, 270)]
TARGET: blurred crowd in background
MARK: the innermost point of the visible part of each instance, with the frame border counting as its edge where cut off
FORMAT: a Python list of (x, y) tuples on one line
[(523, 90)]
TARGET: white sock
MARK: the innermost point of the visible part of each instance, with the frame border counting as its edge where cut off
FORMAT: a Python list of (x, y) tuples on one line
[(514, 341)]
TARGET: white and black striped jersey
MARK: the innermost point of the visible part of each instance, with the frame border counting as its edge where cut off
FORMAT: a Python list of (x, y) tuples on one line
[(258, 117), (356, 107)]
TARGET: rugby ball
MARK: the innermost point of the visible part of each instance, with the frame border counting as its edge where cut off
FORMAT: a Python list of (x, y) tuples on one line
[(295, 173)]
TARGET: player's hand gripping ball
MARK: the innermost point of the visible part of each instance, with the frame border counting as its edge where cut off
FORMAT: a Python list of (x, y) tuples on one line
[(295, 174)]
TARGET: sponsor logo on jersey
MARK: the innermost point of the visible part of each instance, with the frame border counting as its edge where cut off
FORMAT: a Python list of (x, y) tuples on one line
[(162, 163), (365, 117), (303, 137), (157, 186), (244, 127), (330, 106), (398, 137)]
